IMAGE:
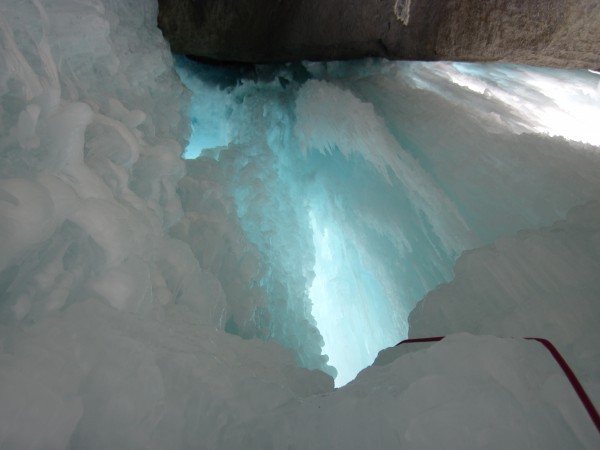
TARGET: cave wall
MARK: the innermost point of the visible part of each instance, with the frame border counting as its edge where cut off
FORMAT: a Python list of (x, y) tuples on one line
[(559, 33)]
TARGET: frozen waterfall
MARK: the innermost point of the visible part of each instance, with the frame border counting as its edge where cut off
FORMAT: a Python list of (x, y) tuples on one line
[(321, 213), (376, 162)]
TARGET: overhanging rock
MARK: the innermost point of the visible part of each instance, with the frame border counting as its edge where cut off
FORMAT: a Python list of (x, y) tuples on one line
[(560, 33)]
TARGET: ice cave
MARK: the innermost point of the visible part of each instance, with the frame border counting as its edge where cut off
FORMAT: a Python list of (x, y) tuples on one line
[(200, 256)]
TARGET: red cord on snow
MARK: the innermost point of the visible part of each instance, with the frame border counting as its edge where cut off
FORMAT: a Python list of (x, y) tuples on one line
[(577, 387)]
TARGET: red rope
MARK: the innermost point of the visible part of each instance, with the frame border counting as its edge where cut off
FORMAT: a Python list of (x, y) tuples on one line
[(577, 387)]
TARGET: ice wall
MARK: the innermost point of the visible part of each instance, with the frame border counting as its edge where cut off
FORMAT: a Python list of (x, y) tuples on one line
[(399, 168), (394, 169), (110, 330)]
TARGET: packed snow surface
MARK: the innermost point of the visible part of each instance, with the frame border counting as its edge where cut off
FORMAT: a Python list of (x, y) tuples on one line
[(325, 211)]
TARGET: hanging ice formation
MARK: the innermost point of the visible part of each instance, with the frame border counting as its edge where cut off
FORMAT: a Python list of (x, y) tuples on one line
[(334, 209), (335, 176)]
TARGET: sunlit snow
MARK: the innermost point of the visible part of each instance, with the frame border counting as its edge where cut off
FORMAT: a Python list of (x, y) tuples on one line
[(559, 104)]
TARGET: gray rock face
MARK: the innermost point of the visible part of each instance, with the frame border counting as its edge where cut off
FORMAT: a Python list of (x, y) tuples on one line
[(561, 33)]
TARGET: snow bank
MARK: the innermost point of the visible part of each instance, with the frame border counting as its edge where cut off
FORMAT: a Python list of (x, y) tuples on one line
[(538, 283), (463, 392), (110, 329)]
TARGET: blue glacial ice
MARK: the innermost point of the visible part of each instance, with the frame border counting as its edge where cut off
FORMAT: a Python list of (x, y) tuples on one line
[(371, 178)]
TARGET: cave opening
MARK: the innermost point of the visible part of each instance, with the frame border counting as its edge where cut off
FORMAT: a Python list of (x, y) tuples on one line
[(352, 210)]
